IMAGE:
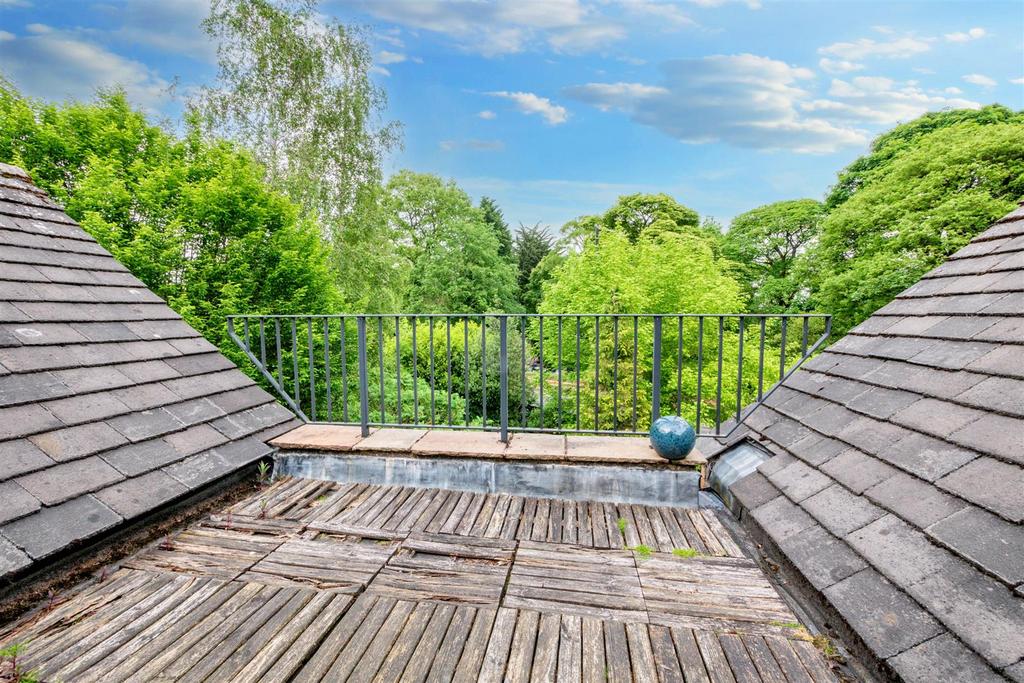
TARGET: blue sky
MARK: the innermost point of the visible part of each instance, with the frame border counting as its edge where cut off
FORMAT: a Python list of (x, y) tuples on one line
[(556, 107)]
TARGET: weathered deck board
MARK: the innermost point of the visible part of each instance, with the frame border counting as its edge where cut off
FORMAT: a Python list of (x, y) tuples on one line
[(340, 582)]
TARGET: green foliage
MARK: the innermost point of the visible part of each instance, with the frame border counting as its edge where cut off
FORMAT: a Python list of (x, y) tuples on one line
[(644, 551), (918, 208), (685, 553), (11, 670), (532, 245), (192, 218), (658, 213), (293, 87), (765, 242), (905, 137), (672, 273), (542, 273), (458, 269), (454, 257), (493, 216)]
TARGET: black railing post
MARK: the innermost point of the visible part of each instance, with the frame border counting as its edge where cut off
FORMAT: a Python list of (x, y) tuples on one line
[(656, 372), (364, 396), (503, 374)]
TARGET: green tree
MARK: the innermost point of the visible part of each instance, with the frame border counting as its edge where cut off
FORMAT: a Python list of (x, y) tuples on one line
[(636, 213), (420, 204), (533, 243), (765, 243), (541, 274), (670, 274), (457, 270), (904, 137), (192, 218), (917, 209), (493, 216), (293, 87)]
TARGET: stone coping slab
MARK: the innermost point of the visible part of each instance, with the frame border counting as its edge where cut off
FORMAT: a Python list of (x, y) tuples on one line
[(575, 449)]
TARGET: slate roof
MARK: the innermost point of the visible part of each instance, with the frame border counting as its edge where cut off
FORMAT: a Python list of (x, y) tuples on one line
[(110, 404), (897, 488)]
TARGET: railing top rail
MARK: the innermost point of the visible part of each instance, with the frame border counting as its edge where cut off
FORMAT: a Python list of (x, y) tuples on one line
[(306, 316)]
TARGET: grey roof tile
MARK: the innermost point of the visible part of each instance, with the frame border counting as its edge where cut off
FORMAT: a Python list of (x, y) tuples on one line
[(252, 420), (1015, 672), (840, 511), (902, 553), (817, 450), (754, 490), (146, 424), (1002, 360), (978, 609), (996, 434), (916, 501), (69, 480), (781, 519), (208, 466), (24, 420), (857, 471), (871, 435), (881, 403), (194, 439), (52, 529), (943, 658), (886, 619), (21, 456), (990, 483), (12, 558), (195, 411), (82, 341), (17, 502), (821, 558), (137, 458), (76, 410), (799, 481), (994, 544), (936, 417), (137, 496), (76, 442), (925, 456)]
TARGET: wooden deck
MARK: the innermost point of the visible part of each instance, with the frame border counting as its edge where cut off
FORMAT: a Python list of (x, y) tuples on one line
[(312, 580)]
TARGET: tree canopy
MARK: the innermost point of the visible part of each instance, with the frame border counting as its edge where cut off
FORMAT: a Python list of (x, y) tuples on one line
[(912, 213), (192, 217), (765, 243), (293, 87)]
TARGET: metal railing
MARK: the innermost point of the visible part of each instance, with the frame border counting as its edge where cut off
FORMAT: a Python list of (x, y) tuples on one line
[(565, 373)]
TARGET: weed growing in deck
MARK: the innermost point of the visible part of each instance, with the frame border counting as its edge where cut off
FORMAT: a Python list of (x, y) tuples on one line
[(10, 670), (686, 553), (643, 551), (622, 525), (263, 470)]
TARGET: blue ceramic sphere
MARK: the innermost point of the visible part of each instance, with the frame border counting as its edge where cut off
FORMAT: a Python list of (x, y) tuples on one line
[(672, 437)]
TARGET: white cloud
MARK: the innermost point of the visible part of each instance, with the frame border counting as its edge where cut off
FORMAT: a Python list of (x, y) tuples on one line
[(752, 4), (379, 70), (529, 103), (980, 79), (14, 3), (743, 100), (487, 115), (864, 48), (386, 57), (471, 144), (171, 27), (953, 91), (838, 66), (502, 26), (4, 35), (661, 11), (1017, 81), (55, 64), (880, 101), (965, 36)]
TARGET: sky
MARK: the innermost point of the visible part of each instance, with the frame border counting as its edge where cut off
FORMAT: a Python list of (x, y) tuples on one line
[(557, 107)]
